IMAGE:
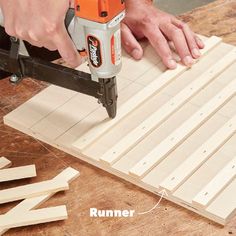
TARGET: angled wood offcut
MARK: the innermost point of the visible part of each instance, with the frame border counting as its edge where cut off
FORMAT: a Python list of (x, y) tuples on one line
[(34, 217), (4, 163), (174, 130), (32, 190), (25, 206)]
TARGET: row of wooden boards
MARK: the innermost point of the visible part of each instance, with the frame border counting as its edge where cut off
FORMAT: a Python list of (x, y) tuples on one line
[(174, 129)]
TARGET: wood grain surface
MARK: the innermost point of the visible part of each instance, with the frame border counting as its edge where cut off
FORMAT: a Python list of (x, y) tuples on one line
[(96, 188)]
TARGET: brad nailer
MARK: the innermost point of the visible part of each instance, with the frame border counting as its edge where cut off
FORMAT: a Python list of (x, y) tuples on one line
[(96, 34)]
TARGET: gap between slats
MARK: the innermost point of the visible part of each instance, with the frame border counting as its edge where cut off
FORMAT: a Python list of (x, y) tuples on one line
[(184, 131)]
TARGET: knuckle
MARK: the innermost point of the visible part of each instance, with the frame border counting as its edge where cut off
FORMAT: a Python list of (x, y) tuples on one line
[(35, 35), (10, 31), (123, 28), (147, 19), (184, 24), (160, 40), (21, 34), (165, 54), (70, 56), (192, 44), (50, 48), (51, 28)]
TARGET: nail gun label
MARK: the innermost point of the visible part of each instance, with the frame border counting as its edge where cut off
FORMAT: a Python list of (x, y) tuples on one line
[(116, 48), (94, 48)]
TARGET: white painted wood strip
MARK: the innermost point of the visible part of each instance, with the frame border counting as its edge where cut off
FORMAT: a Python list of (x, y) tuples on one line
[(154, 87), (156, 119), (16, 173), (200, 156), (4, 163), (184, 131), (216, 185), (32, 190), (67, 175), (34, 217), (223, 207)]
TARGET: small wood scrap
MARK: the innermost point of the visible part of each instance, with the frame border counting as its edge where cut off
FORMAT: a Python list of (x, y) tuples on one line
[(32, 195), (4, 163), (17, 173)]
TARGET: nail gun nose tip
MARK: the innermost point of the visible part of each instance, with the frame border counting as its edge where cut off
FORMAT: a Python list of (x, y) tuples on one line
[(111, 110)]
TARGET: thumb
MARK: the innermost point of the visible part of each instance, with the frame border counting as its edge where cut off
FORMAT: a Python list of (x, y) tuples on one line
[(66, 48), (130, 44)]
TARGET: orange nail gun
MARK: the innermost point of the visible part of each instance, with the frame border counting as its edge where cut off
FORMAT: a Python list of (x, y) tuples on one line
[(99, 39), (101, 28)]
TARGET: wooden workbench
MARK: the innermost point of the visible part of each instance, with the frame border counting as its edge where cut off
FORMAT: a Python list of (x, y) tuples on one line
[(96, 188)]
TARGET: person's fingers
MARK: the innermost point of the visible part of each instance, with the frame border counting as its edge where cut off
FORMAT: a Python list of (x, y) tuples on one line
[(160, 44), (199, 42), (34, 43), (72, 3), (193, 47), (177, 36), (130, 43), (23, 33), (172, 46), (180, 25), (9, 25), (37, 36), (190, 37), (66, 48)]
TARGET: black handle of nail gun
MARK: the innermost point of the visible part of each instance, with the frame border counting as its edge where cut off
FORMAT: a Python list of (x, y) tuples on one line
[(105, 90), (52, 73)]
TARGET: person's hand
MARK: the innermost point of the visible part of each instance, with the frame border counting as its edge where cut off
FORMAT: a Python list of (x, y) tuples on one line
[(41, 23), (143, 20)]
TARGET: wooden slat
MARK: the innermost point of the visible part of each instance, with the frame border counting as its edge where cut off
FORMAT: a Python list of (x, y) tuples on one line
[(201, 155), (223, 207), (183, 132), (67, 175), (154, 87), (16, 173), (4, 163), (34, 217), (216, 185), (32, 190), (153, 121)]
